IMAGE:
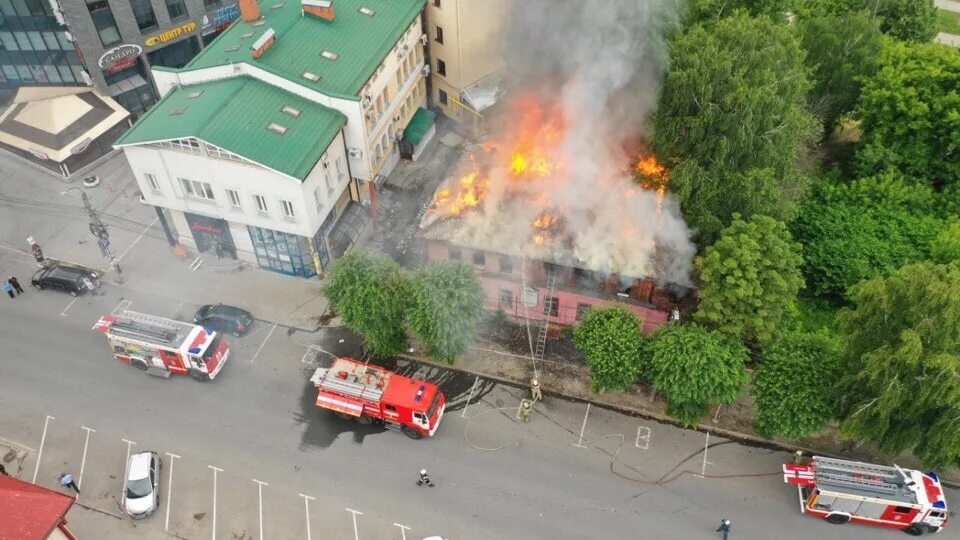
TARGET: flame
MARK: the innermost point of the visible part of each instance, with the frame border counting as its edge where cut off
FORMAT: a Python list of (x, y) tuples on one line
[(471, 194), (545, 221), (652, 174)]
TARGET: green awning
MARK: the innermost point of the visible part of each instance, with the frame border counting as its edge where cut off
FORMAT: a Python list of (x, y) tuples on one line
[(419, 126)]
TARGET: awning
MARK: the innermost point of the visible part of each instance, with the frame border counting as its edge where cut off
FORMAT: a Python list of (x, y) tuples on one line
[(418, 126), (485, 93)]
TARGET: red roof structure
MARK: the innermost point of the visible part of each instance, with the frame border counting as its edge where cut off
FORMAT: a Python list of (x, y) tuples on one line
[(31, 512)]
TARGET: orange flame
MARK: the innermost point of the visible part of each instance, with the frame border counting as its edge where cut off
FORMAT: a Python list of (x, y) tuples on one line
[(545, 221)]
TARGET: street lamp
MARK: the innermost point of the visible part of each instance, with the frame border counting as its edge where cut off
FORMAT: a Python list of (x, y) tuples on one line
[(97, 228)]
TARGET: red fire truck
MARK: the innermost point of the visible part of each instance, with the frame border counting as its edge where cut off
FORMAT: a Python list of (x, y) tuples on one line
[(163, 346), (371, 393), (842, 491)]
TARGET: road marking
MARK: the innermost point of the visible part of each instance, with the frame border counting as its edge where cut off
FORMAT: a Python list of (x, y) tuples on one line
[(40, 453), (126, 466), (166, 522), (176, 312), (706, 446), (403, 530), (646, 437), (583, 427), (124, 254), (472, 389), (356, 532), (72, 302), (121, 306), (196, 264), (264, 342), (14, 443), (260, 498), (83, 461), (306, 506), (312, 348), (215, 471)]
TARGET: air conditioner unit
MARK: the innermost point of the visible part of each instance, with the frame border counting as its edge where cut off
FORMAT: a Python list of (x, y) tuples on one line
[(355, 153), (423, 39), (426, 70)]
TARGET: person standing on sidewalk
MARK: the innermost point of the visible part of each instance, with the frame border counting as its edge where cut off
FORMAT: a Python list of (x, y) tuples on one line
[(16, 285), (724, 527), (66, 480), (8, 288)]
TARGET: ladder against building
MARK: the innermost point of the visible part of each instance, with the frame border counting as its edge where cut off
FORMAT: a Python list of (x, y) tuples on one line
[(548, 301), (862, 476), (150, 328)]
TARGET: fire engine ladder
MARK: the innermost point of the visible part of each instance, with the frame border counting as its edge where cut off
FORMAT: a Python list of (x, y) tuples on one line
[(140, 326), (857, 475), (350, 387), (547, 309)]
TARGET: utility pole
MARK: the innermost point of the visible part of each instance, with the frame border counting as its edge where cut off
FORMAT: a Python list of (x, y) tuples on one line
[(99, 231)]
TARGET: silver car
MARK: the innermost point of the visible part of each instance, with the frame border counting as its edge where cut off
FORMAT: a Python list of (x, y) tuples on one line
[(141, 490)]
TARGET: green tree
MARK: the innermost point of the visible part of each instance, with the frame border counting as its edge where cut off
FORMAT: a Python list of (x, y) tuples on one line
[(733, 122), (900, 354), (611, 341), (791, 385), (749, 279), (707, 10), (447, 304), (370, 295), (909, 114), (841, 50), (909, 20), (695, 367), (945, 247)]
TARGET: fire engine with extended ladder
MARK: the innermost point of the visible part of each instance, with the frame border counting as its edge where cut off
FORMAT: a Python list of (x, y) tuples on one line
[(163, 346), (369, 393), (842, 491)]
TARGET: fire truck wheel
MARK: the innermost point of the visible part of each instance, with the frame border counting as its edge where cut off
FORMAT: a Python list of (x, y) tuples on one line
[(412, 433), (914, 530), (343, 415), (364, 419), (198, 376), (838, 519), (139, 364)]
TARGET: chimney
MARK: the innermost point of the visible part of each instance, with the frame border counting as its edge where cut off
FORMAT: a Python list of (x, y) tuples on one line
[(249, 10), (263, 43), (319, 8)]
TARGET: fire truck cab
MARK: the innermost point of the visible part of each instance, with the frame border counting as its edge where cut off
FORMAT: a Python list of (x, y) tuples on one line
[(842, 491), (369, 393), (163, 346)]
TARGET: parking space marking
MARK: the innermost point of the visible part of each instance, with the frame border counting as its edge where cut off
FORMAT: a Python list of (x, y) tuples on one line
[(403, 530), (583, 427), (120, 307), (150, 226), (83, 461), (18, 445), (72, 302), (467, 404), (313, 348), (126, 472), (260, 499), (356, 532), (166, 522), (264, 342), (306, 506), (40, 453), (196, 263), (646, 437), (706, 446), (215, 471)]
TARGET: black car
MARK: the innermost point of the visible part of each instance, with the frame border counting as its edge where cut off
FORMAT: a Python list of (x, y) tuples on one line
[(223, 318), (73, 279)]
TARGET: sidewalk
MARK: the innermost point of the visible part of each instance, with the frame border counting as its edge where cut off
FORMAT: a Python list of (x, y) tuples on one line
[(944, 37)]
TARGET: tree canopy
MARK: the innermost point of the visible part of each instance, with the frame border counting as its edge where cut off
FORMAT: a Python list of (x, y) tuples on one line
[(900, 356), (945, 247), (908, 20), (610, 339), (447, 303), (710, 10), (749, 278)]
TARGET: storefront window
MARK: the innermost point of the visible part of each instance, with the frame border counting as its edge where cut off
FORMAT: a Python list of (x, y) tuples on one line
[(282, 252)]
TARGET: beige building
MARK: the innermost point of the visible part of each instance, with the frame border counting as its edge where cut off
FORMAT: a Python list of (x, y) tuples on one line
[(466, 40)]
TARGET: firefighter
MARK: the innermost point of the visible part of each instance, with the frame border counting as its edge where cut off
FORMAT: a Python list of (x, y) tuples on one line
[(724, 527), (798, 458), (424, 479), (523, 412), (535, 391)]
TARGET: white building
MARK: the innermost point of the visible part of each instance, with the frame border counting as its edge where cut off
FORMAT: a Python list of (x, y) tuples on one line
[(282, 125)]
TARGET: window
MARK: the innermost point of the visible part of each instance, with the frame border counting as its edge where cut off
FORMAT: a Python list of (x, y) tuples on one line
[(290, 111), (441, 67), (330, 55), (287, 208), (311, 76), (505, 300), (197, 189), (339, 171), (367, 11), (479, 258), (143, 13), (211, 3), (152, 180), (277, 128), (506, 265), (439, 38), (316, 198), (551, 306), (326, 180), (103, 21), (261, 204), (176, 9), (454, 253), (234, 198), (442, 97), (436, 4), (582, 310)]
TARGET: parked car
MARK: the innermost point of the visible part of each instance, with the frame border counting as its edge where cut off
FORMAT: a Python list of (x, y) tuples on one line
[(224, 318), (69, 278), (143, 485)]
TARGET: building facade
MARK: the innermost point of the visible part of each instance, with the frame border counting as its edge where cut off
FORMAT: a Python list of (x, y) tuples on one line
[(276, 136), (36, 47)]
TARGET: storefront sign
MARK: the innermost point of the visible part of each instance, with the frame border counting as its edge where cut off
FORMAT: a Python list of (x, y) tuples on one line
[(119, 57), (79, 148), (206, 228), (171, 34), (221, 18)]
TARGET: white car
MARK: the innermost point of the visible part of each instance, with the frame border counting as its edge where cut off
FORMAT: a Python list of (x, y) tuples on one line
[(141, 495)]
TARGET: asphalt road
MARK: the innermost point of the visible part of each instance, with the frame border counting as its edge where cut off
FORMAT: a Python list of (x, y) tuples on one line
[(256, 423)]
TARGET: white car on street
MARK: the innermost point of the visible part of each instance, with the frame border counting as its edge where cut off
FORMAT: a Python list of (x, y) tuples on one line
[(141, 495)]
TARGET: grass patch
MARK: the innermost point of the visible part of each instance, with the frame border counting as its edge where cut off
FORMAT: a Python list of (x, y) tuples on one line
[(948, 21)]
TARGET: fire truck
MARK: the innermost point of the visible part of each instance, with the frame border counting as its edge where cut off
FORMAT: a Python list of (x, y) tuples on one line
[(367, 393), (842, 491), (163, 346)]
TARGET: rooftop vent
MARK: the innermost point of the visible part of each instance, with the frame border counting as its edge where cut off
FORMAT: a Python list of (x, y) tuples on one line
[(322, 9), (277, 128), (261, 22), (366, 11), (290, 111), (263, 43), (178, 111), (194, 95), (311, 76), (278, 5), (232, 48), (330, 55), (246, 35)]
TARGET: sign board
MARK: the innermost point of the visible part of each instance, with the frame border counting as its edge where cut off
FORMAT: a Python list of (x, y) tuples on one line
[(81, 146), (40, 154), (120, 57), (221, 18), (171, 34)]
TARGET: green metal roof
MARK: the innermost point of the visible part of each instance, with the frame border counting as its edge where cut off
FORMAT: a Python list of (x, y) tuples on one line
[(234, 114), (419, 125), (360, 41)]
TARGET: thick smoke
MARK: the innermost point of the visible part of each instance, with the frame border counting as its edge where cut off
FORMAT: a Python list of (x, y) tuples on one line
[(598, 65)]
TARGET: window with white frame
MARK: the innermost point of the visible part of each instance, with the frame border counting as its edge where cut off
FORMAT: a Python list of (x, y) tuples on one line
[(152, 181), (326, 179), (234, 198), (316, 198), (261, 203), (197, 189), (287, 209), (339, 169)]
